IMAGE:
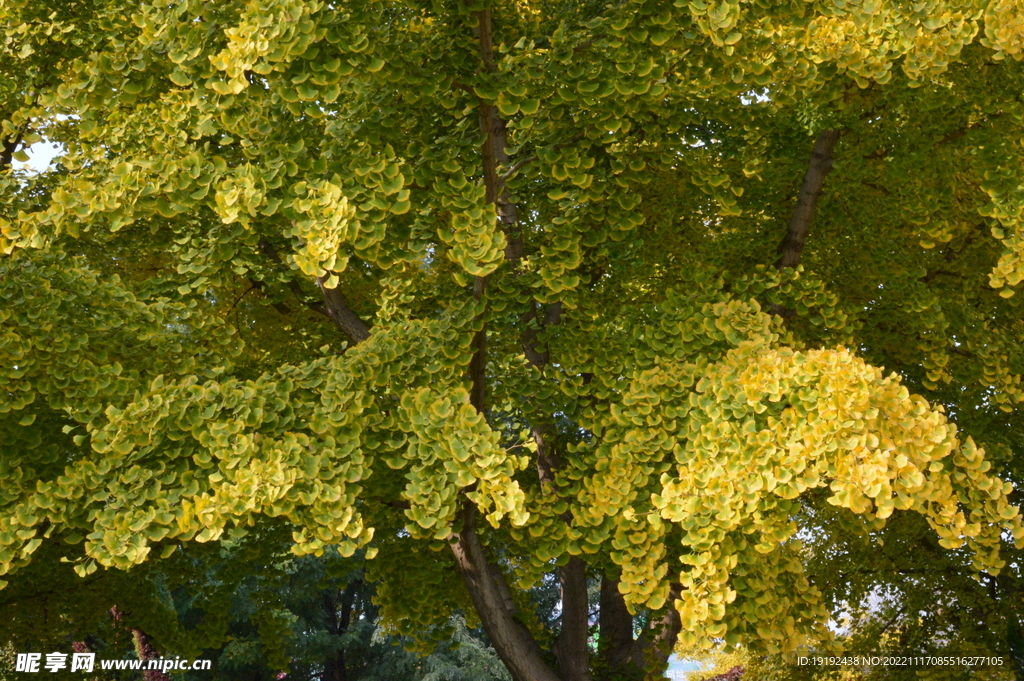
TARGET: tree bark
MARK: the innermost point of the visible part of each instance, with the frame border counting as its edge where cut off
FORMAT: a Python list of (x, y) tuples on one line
[(571, 646), (1015, 642), (621, 655), (615, 641), (334, 665), (493, 603), (792, 245), (491, 596), (571, 651), (478, 362), (342, 315), (335, 306), (495, 141), (657, 640), (533, 324)]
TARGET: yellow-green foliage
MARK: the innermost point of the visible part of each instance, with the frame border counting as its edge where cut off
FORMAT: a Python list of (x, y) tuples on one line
[(164, 376)]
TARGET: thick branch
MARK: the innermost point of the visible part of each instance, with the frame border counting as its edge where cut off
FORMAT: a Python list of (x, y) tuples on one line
[(615, 644), (478, 363), (658, 639), (491, 596), (533, 326), (334, 666), (495, 142), (293, 285), (792, 245), (493, 603), (335, 306), (571, 650), (342, 315), (545, 434), (279, 306), (548, 460), (143, 647), (957, 134), (571, 647), (619, 651)]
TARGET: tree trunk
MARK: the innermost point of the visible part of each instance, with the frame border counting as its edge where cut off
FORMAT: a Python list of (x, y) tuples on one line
[(7, 150), (334, 668), (493, 602), (615, 641), (657, 640), (334, 665), (571, 650), (623, 657)]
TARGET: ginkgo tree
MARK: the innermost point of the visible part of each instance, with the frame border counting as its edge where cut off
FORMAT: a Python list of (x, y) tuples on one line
[(665, 294)]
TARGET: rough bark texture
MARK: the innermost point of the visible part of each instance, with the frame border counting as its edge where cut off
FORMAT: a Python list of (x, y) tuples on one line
[(622, 656), (571, 647), (792, 245), (656, 641), (495, 141), (615, 643), (493, 603), (342, 315)]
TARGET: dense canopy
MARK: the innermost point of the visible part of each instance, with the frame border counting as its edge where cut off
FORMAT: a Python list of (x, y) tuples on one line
[(710, 303)]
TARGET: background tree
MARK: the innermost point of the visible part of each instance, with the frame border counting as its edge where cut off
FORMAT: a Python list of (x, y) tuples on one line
[(505, 292)]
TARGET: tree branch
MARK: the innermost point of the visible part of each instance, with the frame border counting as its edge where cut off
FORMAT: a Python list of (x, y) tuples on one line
[(530, 159), (553, 315), (280, 307), (615, 644), (571, 646), (335, 306), (493, 603), (495, 142), (658, 639), (571, 650), (792, 245), (478, 363), (491, 596), (292, 285), (957, 134), (243, 294), (342, 315), (619, 651)]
